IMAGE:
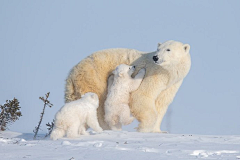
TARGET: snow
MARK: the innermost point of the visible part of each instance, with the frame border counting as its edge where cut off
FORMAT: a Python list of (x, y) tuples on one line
[(125, 145)]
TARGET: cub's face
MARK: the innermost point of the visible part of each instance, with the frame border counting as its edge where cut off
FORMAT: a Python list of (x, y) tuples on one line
[(124, 70), (170, 53)]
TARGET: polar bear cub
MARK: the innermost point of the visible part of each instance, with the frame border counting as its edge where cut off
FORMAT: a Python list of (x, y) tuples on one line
[(120, 85), (73, 117)]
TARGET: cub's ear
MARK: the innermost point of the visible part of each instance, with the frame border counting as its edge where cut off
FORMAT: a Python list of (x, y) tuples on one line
[(114, 72), (159, 44), (186, 48)]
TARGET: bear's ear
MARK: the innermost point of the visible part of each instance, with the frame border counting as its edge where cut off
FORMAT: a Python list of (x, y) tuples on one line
[(114, 72), (159, 44), (186, 48)]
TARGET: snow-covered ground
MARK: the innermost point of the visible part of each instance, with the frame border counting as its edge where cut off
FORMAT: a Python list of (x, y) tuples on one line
[(110, 145)]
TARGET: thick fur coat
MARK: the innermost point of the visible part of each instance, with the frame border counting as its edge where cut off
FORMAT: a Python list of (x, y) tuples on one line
[(120, 85), (73, 117), (165, 71)]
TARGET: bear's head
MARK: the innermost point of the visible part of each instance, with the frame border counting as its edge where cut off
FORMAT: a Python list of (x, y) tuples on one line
[(170, 53), (124, 70), (92, 98)]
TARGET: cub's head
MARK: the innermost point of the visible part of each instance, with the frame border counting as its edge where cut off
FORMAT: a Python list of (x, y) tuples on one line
[(92, 98), (124, 70), (170, 53)]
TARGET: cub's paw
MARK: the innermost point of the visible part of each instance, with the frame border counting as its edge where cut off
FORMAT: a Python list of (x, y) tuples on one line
[(85, 133), (99, 130)]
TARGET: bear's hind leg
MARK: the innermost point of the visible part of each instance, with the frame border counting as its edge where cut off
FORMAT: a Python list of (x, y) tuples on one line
[(57, 133), (92, 122), (111, 119), (117, 127), (82, 130), (125, 116), (72, 131)]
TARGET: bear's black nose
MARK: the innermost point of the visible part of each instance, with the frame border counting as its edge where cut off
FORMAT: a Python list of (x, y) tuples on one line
[(155, 58), (133, 66)]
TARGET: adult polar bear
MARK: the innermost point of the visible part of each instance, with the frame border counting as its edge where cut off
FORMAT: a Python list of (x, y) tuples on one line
[(165, 71)]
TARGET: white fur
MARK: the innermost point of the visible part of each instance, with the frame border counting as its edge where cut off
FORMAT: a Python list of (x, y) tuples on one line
[(73, 117), (120, 85)]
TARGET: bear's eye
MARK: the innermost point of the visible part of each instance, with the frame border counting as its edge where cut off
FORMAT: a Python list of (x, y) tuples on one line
[(168, 50), (129, 67)]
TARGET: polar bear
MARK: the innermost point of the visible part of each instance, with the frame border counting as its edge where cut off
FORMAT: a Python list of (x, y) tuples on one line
[(120, 85), (73, 117), (165, 70)]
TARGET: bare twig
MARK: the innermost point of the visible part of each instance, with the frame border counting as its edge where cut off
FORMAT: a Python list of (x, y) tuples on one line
[(46, 103)]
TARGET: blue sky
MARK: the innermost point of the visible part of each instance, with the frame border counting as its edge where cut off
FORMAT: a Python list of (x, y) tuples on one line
[(40, 41)]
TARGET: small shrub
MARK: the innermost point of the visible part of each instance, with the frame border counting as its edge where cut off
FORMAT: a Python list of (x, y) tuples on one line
[(10, 112), (49, 128)]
